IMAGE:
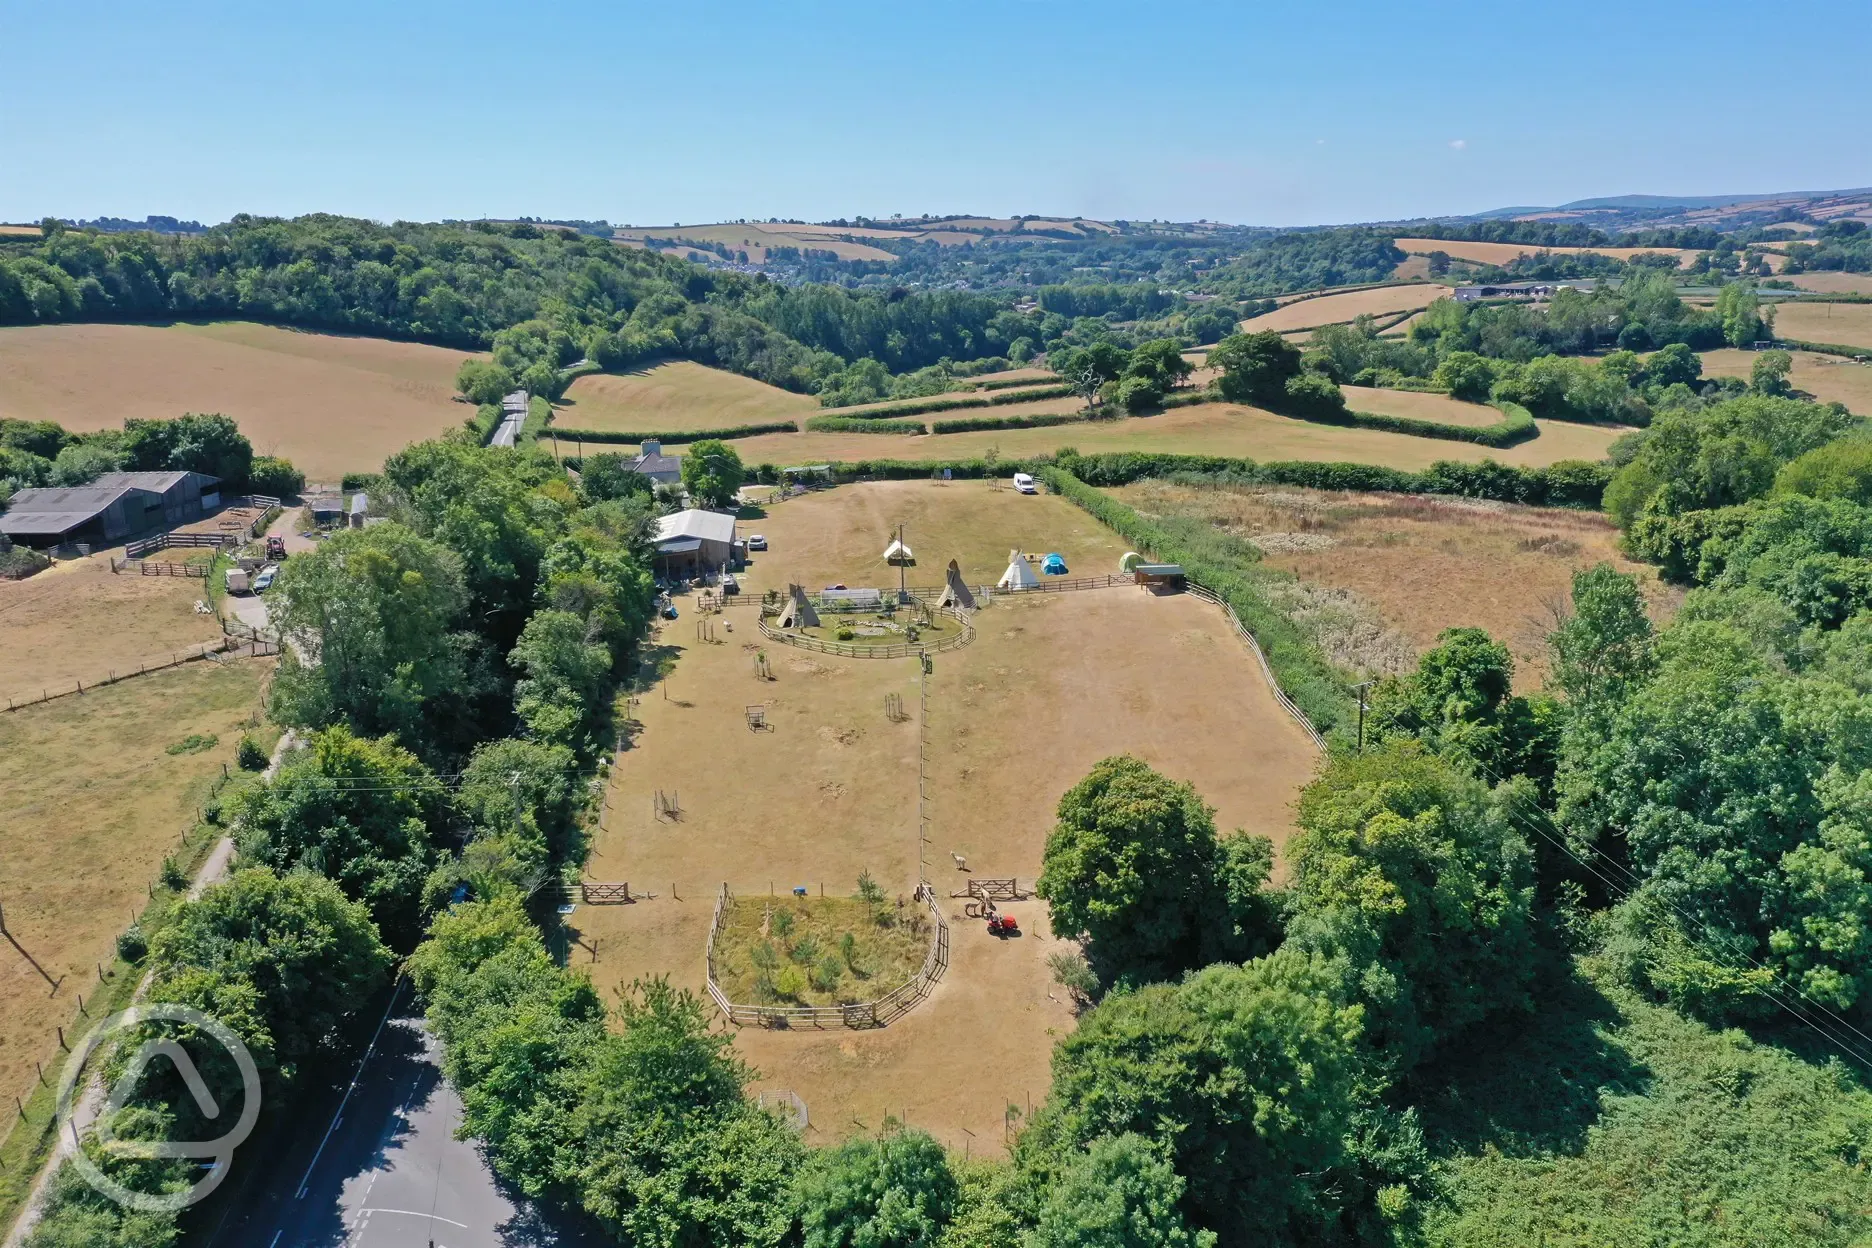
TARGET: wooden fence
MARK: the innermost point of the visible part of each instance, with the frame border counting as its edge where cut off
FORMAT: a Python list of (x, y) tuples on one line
[(596, 894), (176, 658), (879, 1012), (1248, 639), (179, 541), (158, 567)]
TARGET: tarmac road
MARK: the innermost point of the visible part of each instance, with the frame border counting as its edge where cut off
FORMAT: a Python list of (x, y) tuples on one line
[(386, 1171)]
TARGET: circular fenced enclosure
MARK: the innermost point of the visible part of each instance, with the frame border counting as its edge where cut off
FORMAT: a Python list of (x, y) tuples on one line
[(887, 632), (789, 960)]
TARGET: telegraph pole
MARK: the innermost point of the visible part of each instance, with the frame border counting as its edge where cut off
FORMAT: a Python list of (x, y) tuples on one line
[(1360, 688)]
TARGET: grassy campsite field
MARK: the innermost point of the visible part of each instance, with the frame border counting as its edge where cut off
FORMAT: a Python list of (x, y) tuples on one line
[(832, 790), (331, 404)]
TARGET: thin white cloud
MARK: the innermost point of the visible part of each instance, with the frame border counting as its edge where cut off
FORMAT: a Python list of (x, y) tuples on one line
[(1459, 144)]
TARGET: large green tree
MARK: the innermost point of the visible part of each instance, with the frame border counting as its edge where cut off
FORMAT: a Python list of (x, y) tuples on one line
[(712, 472), (1406, 870), (360, 812), (367, 619), (1122, 1192), (1134, 869), (1249, 1076), (892, 1191)]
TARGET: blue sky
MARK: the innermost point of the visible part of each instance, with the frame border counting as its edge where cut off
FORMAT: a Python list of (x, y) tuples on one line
[(1261, 113)]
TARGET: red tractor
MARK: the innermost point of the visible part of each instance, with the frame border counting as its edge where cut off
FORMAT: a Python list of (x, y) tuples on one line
[(275, 547), (1003, 925)]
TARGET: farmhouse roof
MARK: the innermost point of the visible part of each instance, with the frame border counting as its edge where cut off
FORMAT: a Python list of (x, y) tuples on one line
[(712, 526), (656, 463)]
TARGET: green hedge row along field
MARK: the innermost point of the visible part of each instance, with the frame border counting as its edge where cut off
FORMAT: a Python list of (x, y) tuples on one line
[(675, 436), (1824, 348), (1516, 425), (949, 403), (1227, 566), (861, 424), (1039, 420), (1012, 384)]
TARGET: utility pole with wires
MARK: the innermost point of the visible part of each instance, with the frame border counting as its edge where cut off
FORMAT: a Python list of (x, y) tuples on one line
[(1360, 689), (903, 564)]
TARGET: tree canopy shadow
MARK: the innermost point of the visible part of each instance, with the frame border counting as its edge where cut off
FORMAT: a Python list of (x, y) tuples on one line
[(1530, 1084)]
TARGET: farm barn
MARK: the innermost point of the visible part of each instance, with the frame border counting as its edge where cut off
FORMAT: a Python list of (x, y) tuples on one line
[(694, 541), (115, 506)]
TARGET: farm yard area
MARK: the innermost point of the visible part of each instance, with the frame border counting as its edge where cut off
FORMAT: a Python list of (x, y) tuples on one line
[(77, 621), (94, 801), (1381, 575), (829, 791), (330, 403)]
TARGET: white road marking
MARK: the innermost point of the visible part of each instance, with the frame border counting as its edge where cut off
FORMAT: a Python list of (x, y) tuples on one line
[(362, 1063), (410, 1213)]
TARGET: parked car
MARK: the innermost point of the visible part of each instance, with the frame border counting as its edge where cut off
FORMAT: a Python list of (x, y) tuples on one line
[(264, 581), (757, 542), (1025, 483)]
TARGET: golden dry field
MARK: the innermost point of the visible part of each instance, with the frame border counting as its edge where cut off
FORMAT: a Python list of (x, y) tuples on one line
[(831, 790), (93, 802), (1204, 429), (1835, 283), (332, 404), (1338, 309), (1438, 407), (1502, 253), (1384, 573), (78, 621), (1844, 324), (1828, 378), (676, 395)]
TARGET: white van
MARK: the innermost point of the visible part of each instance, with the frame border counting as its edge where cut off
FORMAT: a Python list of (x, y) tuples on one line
[(1025, 484)]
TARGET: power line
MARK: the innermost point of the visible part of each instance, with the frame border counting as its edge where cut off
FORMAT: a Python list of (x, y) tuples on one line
[(1830, 1024)]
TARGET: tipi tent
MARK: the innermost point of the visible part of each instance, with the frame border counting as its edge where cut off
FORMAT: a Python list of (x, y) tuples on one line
[(1019, 574), (798, 612), (955, 593), (898, 555)]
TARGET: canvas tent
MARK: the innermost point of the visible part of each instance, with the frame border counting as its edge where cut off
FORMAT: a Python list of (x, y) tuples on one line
[(798, 612), (955, 592), (1019, 574), (898, 555)]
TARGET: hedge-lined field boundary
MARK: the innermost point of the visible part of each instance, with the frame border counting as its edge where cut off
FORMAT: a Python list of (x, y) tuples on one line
[(1038, 420), (1516, 425), (857, 424), (674, 436), (951, 402), (1569, 483), (1825, 348)]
